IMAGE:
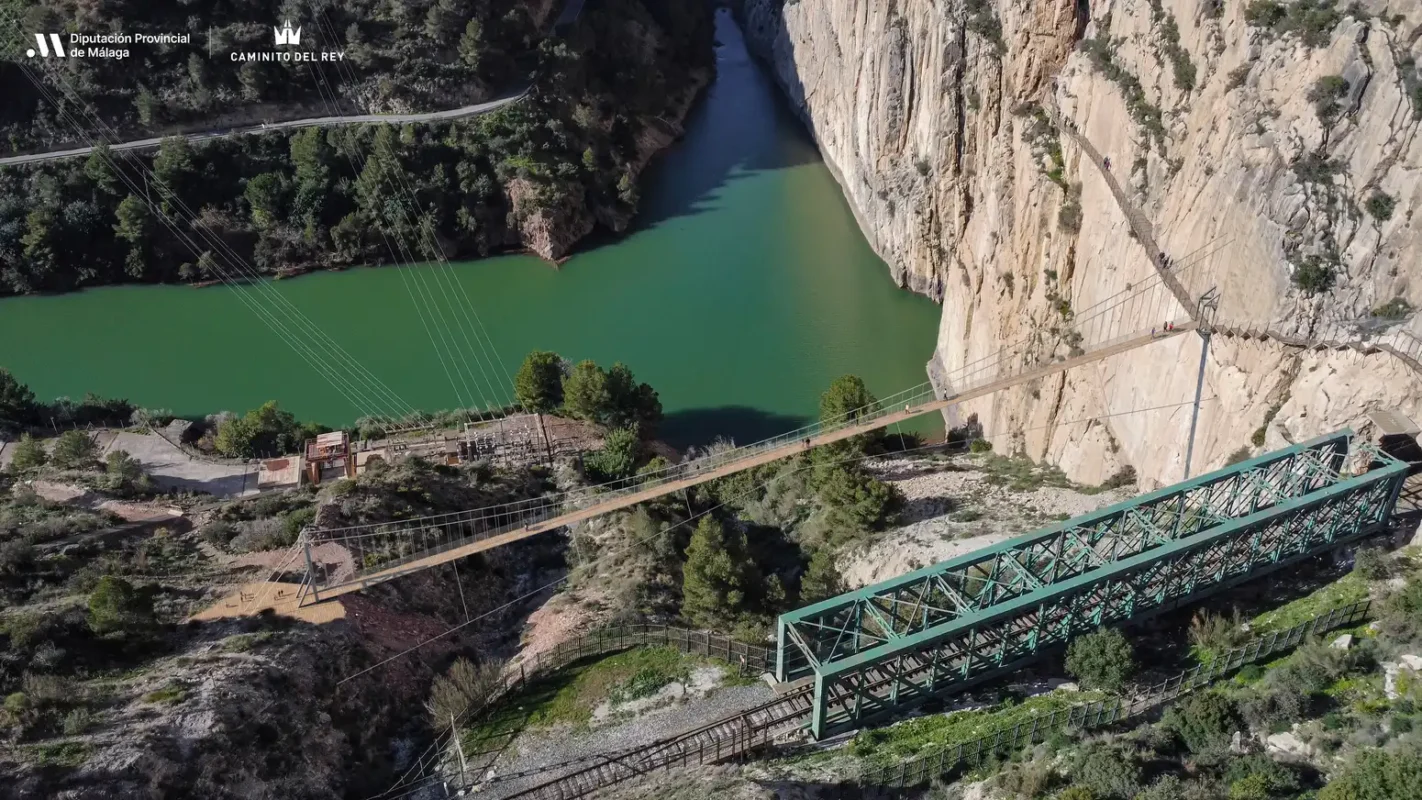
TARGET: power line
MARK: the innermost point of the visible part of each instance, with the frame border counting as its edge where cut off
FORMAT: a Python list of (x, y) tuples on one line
[(757, 488)]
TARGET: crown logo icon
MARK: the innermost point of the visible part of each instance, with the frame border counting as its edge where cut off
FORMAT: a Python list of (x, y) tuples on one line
[(287, 36)]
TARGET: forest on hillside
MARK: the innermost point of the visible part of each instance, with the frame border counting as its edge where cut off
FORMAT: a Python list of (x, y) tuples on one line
[(418, 55), (331, 197)]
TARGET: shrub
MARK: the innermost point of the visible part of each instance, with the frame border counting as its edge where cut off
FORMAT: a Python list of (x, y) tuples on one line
[(1372, 563), (1381, 205), (77, 721), (115, 605), (1242, 454), (1264, 13), (1378, 775), (29, 453), (1076, 792), (621, 450), (1396, 308), (980, 446), (1101, 659), (1314, 276), (74, 450), (1204, 721), (1107, 772), (1325, 94), (464, 686)]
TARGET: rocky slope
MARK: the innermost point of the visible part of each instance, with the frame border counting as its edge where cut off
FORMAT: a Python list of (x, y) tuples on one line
[(1277, 160)]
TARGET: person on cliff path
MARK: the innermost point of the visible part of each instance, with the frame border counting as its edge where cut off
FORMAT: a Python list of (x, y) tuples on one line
[(1106, 161)]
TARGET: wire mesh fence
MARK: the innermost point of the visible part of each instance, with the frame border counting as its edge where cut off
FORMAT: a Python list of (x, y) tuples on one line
[(925, 767), (748, 658)]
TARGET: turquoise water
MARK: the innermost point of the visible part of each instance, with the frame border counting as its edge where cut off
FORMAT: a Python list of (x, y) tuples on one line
[(745, 289)]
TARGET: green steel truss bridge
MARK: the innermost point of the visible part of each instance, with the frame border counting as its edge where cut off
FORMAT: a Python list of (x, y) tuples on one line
[(867, 655), (874, 652)]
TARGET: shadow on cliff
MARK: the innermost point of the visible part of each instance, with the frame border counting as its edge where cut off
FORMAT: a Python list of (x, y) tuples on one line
[(740, 127), (702, 426)]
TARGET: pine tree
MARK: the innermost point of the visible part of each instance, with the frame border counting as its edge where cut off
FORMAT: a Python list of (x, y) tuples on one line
[(822, 579), (538, 386), (29, 454), (585, 394), (715, 579)]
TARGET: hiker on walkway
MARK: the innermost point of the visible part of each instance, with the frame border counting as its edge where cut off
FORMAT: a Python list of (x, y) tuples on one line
[(1107, 162)]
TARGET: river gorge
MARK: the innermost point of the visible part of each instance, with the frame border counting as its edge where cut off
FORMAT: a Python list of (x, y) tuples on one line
[(745, 288)]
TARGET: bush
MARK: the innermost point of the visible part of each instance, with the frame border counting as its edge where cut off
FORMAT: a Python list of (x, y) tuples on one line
[(74, 450), (1325, 94), (115, 606), (1381, 205), (1203, 721), (1378, 775), (464, 686), (1396, 308), (621, 450), (980, 446), (29, 454), (1314, 275), (1108, 772), (1372, 563), (822, 579), (1101, 659), (77, 721)]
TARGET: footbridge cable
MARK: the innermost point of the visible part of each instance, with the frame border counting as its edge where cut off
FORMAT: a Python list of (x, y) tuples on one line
[(998, 435)]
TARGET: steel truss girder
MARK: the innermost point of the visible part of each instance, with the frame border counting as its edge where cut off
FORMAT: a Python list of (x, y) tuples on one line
[(900, 674), (903, 608)]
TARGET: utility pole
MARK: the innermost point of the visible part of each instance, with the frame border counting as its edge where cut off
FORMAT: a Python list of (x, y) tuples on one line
[(1204, 317)]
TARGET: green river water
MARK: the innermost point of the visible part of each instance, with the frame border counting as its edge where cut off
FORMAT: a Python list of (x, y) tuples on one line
[(745, 289)]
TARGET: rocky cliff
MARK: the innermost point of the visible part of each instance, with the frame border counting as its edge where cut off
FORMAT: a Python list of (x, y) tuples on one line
[(1269, 150)]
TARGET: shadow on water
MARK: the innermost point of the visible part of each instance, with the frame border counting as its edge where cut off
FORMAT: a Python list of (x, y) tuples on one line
[(701, 426), (740, 127)]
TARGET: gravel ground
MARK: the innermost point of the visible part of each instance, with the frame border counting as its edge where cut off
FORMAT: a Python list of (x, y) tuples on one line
[(941, 499), (538, 749)]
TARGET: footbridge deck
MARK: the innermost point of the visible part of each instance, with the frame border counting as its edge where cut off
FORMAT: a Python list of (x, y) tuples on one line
[(384, 552)]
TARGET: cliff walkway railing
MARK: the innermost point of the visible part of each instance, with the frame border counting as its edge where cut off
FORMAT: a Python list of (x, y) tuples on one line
[(923, 768), (442, 760), (1400, 344)]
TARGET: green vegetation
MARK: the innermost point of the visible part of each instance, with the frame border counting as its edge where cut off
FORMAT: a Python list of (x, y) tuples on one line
[(1314, 275), (1257, 438), (1181, 65), (264, 431), (1380, 205), (169, 695), (1396, 308), (1325, 95), (982, 20), (1312, 21), (29, 454), (1378, 775), (620, 454), (1349, 589), (908, 738), (116, 607), (19, 411), (538, 386), (1101, 660), (1204, 721), (1102, 52), (320, 198), (393, 54), (74, 450), (719, 580), (612, 397), (571, 696)]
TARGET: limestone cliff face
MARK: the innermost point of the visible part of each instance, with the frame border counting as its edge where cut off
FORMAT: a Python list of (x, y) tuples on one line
[(1277, 162)]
